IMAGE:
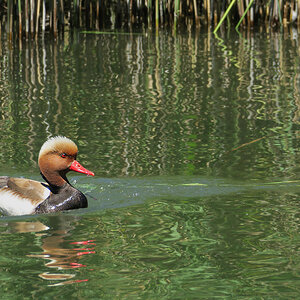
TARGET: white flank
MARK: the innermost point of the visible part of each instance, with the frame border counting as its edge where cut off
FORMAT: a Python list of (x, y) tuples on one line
[(15, 205)]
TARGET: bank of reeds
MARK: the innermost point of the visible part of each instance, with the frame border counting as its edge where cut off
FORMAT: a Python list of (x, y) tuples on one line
[(27, 18)]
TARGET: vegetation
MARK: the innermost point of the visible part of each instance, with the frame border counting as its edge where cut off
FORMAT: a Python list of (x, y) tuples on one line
[(30, 17)]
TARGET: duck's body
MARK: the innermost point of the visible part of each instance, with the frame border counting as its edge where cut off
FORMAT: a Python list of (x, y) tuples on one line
[(19, 196)]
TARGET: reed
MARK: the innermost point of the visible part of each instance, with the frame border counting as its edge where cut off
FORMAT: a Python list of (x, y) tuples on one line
[(149, 12), (156, 14), (37, 17), (208, 11), (10, 18), (32, 9), (196, 12), (31, 17), (224, 16), (26, 18), (62, 14), (244, 14), (176, 11), (241, 11), (297, 16), (20, 18), (44, 16), (54, 19)]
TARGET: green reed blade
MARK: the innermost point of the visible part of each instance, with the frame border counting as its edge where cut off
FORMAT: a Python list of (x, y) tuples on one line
[(245, 12), (225, 15)]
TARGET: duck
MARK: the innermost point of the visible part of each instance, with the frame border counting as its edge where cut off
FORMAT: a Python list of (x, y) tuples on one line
[(20, 196)]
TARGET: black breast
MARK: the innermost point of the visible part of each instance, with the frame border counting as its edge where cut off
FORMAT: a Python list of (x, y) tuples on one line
[(62, 198)]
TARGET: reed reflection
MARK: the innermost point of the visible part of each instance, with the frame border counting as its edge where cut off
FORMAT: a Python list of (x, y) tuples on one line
[(59, 251), (155, 105)]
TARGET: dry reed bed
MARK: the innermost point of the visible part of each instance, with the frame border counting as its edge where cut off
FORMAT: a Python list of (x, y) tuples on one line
[(26, 18)]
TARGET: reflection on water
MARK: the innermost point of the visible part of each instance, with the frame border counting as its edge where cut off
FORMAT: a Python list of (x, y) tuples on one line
[(57, 250), (164, 117), (232, 244), (23, 227), (153, 105)]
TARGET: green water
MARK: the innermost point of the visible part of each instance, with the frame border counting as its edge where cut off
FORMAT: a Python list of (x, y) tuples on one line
[(194, 141)]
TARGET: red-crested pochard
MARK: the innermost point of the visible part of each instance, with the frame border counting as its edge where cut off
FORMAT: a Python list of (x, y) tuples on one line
[(19, 196)]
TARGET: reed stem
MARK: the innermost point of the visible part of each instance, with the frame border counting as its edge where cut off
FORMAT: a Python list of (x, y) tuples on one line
[(32, 6), (156, 14), (54, 19), (62, 14), (37, 18), (224, 16), (244, 14), (10, 19), (26, 19), (298, 9), (195, 11), (176, 11), (44, 16), (150, 12), (20, 19), (279, 12)]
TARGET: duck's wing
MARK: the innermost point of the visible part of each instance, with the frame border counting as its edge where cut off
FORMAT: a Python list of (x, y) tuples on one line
[(32, 189), (20, 196)]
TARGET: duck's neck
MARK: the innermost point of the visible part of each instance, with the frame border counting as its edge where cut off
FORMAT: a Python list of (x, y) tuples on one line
[(54, 179)]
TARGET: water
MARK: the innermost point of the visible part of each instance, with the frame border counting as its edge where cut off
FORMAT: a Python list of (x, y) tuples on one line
[(194, 142)]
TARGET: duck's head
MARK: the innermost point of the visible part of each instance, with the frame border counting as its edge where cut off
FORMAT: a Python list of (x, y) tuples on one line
[(57, 157)]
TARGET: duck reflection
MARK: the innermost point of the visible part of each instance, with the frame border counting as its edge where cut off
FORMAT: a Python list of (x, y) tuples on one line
[(60, 252)]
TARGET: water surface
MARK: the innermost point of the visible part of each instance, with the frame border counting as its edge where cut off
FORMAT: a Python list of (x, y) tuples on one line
[(194, 140)]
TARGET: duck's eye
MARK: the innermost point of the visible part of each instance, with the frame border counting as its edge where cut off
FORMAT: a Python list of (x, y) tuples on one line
[(63, 155)]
